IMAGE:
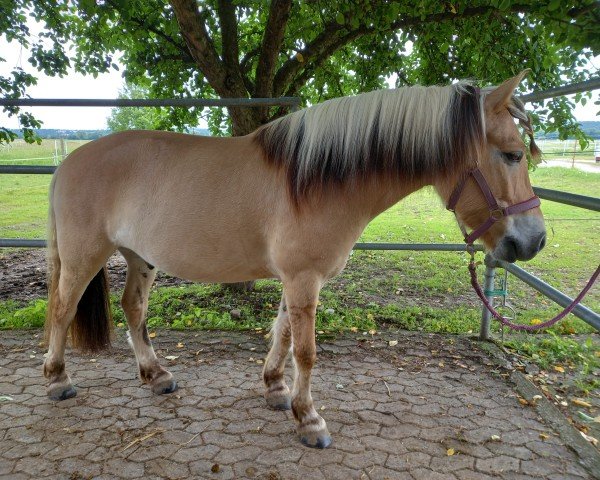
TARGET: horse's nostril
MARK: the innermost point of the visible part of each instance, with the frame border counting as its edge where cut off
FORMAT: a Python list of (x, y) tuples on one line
[(511, 249), (542, 242)]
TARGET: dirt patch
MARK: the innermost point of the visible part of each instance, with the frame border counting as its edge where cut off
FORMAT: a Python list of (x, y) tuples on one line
[(23, 275)]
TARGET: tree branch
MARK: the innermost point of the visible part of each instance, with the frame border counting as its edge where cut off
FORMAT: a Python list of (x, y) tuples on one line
[(279, 12), (228, 22), (335, 36), (200, 45), (312, 50), (245, 63)]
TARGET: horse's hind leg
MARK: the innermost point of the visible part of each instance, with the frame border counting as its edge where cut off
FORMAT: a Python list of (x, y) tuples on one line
[(302, 294), (61, 313), (278, 393), (140, 276), (69, 285)]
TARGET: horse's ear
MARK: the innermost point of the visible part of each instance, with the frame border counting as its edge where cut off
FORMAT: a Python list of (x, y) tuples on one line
[(499, 98)]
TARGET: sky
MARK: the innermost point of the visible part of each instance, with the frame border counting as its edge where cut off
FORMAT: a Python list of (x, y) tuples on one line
[(76, 85)]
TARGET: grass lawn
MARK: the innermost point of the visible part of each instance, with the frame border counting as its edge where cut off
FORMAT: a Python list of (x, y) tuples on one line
[(426, 291)]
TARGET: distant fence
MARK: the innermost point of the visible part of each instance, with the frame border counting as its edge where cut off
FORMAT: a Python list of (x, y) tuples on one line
[(567, 149), (60, 152), (580, 311)]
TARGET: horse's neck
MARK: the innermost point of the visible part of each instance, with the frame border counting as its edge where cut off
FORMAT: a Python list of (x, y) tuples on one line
[(383, 194)]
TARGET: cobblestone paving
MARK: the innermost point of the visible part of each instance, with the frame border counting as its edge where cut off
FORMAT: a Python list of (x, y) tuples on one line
[(394, 412)]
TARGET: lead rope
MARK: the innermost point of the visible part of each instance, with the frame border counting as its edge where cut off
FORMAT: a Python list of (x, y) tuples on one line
[(516, 326)]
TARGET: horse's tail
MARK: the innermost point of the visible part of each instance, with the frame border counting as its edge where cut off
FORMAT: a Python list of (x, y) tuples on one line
[(91, 328)]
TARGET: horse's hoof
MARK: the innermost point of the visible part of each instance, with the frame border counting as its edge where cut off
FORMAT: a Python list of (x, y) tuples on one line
[(62, 393), (162, 388), (281, 402), (317, 440), (171, 388)]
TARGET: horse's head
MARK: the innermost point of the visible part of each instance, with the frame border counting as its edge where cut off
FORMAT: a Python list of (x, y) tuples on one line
[(513, 228)]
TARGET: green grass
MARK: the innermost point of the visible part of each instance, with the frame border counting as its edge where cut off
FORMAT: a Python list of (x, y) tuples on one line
[(426, 291), (24, 198), (24, 205), (579, 357)]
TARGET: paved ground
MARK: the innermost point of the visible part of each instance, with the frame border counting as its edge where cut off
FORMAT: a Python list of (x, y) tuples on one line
[(430, 407)]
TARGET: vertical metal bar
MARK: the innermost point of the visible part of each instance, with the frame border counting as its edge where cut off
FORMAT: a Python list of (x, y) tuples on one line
[(486, 316)]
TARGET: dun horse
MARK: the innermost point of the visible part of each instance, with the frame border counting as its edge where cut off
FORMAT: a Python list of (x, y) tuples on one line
[(287, 201)]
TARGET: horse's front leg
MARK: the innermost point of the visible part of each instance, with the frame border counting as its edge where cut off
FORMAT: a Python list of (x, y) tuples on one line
[(277, 392), (302, 298)]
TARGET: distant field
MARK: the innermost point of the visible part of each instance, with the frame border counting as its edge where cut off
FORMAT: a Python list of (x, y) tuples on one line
[(48, 153), (566, 150)]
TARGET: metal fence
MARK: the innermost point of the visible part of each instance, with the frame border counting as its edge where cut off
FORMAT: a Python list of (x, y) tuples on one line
[(590, 203)]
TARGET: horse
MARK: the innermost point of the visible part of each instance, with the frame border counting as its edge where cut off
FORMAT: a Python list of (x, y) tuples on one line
[(287, 201)]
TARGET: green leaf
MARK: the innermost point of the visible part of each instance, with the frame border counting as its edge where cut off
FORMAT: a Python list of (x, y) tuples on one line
[(553, 5), (87, 6), (339, 18), (504, 4)]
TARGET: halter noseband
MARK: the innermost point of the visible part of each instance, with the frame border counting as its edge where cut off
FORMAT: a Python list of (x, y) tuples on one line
[(496, 212)]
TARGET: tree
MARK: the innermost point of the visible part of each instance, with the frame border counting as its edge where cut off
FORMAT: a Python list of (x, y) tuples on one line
[(134, 118), (312, 49)]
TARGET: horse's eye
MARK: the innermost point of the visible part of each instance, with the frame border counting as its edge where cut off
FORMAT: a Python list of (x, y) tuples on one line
[(513, 157)]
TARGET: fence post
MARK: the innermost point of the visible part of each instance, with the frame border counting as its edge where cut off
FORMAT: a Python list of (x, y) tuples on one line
[(63, 149), (486, 316)]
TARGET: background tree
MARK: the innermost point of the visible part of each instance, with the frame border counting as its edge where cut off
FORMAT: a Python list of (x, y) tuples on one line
[(313, 49), (134, 118)]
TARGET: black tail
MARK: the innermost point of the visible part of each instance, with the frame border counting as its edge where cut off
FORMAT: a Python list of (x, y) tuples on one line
[(91, 329)]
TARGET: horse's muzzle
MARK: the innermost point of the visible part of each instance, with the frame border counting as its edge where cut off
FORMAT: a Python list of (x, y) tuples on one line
[(511, 248)]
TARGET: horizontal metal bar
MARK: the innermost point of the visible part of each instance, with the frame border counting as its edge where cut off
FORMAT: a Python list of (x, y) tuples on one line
[(590, 203), (35, 169), (579, 87), (580, 311), (154, 102), (21, 242), (585, 86), (442, 247)]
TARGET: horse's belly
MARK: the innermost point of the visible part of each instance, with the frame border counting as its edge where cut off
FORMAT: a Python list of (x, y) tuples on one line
[(199, 260), (224, 272)]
